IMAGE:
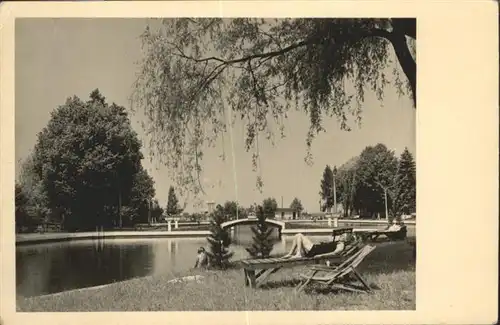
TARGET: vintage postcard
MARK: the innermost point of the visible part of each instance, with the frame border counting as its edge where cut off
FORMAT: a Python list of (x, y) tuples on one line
[(249, 162)]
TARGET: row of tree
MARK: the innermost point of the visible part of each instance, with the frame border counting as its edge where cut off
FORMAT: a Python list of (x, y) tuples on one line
[(85, 172), (232, 210), (374, 183)]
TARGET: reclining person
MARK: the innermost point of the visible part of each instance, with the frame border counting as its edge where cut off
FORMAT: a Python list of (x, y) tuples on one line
[(304, 247), (395, 226)]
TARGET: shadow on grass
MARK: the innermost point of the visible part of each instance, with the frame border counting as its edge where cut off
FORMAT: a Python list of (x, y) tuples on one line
[(324, 290), (289, 283), (387, 258), (293, 283)]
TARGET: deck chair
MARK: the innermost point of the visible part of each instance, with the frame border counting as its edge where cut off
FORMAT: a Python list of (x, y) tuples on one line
[(372, 235), (342, 276), (396, 235), (256, 271)]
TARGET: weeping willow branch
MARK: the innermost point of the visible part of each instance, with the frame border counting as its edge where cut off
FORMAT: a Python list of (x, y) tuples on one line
[(266, 66)]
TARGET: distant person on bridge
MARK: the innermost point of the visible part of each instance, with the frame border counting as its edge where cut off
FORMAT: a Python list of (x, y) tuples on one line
[(304, 247)]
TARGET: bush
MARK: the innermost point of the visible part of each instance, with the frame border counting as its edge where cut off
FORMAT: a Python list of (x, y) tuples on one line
[(219, 241), (262, 244)]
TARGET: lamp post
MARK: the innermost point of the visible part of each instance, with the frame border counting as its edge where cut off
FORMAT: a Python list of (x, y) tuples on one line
[(120, 207), (334, 190), (385, 188), (386, 209), (148, 201), (149, 210)]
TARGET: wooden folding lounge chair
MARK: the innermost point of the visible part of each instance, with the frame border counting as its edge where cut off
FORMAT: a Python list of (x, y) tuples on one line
[(342, 276), (396, 235), (256, 271), (372, 235)]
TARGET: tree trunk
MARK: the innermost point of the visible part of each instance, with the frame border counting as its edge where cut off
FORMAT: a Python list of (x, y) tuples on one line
[(149, 212), (120, 208), (334, 196), (408, 64), (386, 210)]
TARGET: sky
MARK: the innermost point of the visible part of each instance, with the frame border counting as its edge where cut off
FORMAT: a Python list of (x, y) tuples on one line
[(59, 58)]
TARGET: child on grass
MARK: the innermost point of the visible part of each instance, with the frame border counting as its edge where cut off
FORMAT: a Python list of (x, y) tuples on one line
[(202, 260)]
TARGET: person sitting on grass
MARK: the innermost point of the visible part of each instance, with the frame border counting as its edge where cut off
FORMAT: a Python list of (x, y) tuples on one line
[(202, 260), (304, 247)]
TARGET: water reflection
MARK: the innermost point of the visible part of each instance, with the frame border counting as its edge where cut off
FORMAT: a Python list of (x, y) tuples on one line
[(54, 267), (243, 234)]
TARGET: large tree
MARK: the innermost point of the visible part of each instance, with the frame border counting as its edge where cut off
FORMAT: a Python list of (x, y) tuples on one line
[(326, 188), (156, 211), (36, 204), (404, 191), (232, 209), (347, 184), (297, 205), (21, 202), (269, 206), (195, 69), (376, 169), (86, 159), (173, 207), (141, 208)]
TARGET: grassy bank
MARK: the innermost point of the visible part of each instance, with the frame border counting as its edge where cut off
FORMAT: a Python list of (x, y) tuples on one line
[(390, 269)]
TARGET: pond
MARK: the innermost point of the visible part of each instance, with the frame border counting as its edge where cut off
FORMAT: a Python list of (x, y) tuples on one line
[(55, 267)]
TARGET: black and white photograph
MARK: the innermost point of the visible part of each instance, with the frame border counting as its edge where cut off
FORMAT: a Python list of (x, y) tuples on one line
[(215, 164), (223, 163)]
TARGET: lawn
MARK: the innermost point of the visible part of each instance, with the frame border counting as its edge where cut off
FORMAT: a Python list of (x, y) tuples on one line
[(390, 270)]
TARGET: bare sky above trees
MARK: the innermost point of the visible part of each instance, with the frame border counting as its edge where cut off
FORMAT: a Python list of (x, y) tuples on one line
[(58, 58)]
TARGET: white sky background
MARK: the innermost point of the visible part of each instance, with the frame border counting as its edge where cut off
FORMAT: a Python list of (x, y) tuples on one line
[(58, 58)]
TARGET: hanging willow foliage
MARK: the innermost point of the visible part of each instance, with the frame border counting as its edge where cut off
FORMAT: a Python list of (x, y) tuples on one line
[(262, 68)]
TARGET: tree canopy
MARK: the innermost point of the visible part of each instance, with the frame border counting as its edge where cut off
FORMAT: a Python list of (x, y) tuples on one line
[(269, 207), (232, 209), (376, 171), (364, 182), (173, 207), (326, 188), (404, 194), (86, 164), (196, 73), (297, 205), (347, 184)]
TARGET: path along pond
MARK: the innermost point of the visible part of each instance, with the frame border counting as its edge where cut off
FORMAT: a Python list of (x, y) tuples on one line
[(46, 268)]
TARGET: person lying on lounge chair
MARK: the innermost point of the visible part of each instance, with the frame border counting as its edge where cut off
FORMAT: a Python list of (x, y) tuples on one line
[(395, 226), (304, 247)]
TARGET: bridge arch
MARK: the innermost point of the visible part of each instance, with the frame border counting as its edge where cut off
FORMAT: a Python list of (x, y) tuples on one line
[(249, 221)]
